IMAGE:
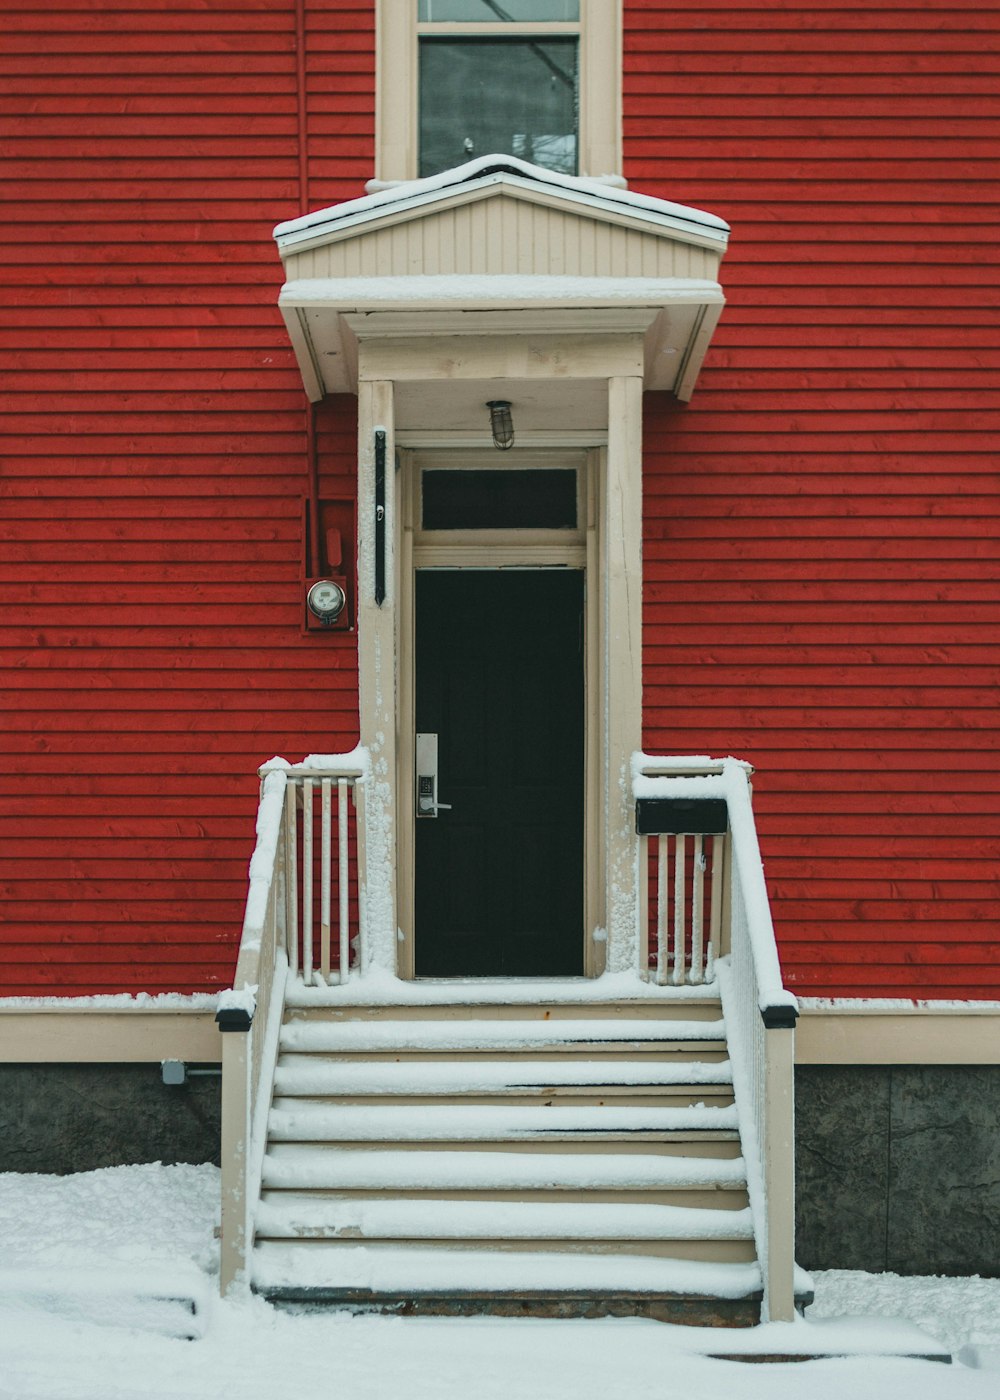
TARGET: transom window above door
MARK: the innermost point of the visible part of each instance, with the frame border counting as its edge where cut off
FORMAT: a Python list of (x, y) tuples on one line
[(498, 77), (463, 499), (485, 499)]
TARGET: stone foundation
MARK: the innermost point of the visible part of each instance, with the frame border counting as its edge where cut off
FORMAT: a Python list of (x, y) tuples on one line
[(898, 1168), (75, 1118)]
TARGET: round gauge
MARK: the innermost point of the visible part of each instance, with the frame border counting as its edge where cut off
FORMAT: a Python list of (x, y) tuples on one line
[(326, 600)]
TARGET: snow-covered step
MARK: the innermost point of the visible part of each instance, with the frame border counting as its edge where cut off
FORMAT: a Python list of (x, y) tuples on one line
[(511, 1036), (305, 1216), (309, 1075), (293, 1121), (310, 1167), (614, 995), (384, 1272), (569, 1155)]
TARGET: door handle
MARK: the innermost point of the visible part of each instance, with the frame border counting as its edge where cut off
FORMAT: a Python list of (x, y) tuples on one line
[(427, 777), (427, 805)]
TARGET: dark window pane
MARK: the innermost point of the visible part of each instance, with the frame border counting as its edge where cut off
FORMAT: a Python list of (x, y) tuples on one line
[(499, 500), (514, 97), (496, 11)]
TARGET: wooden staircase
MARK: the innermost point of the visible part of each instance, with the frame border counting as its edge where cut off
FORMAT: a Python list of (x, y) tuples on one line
[(559, 1159)]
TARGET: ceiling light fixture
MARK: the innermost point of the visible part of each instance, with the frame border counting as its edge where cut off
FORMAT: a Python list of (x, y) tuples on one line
[(501, 423)]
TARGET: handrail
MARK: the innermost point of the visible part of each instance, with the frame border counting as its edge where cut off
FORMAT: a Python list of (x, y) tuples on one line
[(760, 1013), (250, 1013)]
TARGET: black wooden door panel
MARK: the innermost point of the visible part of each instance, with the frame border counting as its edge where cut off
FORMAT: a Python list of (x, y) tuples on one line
[(499, 877)]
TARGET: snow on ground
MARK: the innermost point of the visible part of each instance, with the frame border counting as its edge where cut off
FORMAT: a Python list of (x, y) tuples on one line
[(91, 1263)]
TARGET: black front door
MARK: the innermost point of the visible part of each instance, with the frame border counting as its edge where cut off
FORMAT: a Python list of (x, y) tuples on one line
[(499, 679)]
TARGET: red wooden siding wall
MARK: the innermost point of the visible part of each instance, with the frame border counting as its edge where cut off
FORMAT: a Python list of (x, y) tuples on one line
[(821, 544), (153, 468), (822, 534)]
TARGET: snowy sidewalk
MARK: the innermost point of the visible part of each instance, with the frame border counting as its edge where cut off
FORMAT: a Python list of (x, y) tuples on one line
[(94, 1266)]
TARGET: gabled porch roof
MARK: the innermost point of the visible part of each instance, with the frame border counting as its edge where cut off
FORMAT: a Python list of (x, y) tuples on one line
[(500, 245)]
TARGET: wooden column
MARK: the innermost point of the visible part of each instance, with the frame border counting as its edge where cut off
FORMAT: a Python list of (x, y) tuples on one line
[(377, 679), (621, 549)]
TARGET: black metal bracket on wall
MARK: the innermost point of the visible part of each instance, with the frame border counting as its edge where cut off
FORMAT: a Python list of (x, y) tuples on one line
[(681, 816), (379, 516)]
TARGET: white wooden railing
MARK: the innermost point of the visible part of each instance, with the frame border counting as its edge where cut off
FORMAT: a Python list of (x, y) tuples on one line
[(301, 870), (759, 1012)]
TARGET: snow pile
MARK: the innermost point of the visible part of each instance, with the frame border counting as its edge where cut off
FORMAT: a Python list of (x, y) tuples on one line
[(245, 999), (124, 1246), (118, 1215), (959, 1312), (115, 1001), (146, 1228), (172, 1301)]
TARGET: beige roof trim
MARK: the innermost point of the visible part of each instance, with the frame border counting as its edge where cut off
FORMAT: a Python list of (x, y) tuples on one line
[(327, 318), (297, 236)]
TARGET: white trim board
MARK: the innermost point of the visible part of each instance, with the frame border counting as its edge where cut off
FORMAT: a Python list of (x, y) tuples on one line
[(914, 1034), (48, 1034), (947, 1034)]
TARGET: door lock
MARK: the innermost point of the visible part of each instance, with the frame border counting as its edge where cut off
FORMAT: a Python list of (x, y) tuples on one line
[(427, 777)]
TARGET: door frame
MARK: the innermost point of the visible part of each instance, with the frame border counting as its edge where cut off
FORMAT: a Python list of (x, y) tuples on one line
[(616, 396), (499, 549)]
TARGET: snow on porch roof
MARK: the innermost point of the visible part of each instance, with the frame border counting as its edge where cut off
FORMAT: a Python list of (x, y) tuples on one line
[(489, 170)]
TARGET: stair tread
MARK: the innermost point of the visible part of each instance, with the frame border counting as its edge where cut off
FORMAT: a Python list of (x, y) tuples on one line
[(301, 1074), (475, 1035), (306, 1216), (616, 990), (379, 1270), (304, 1121), (290, 1166)]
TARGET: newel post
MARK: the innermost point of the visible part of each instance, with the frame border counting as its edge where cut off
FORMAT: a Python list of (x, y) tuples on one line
[(237, 1102), (779, 1163)]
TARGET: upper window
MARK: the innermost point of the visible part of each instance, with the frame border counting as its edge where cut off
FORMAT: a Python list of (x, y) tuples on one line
[(537, 79), (514, 91)]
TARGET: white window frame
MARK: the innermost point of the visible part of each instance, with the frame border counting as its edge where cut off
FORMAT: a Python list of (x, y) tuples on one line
[(396, 83)]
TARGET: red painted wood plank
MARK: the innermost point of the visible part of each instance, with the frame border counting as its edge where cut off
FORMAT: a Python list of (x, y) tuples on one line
[(817, 336)]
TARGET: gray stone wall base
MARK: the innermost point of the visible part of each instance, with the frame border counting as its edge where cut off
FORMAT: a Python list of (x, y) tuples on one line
[(75, 1118), (898, 1168)]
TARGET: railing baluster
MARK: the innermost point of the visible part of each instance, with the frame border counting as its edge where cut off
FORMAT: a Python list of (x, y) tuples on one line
[(343, 879), (307, 880), (717, 897), (326, 843), (697, 910), (680, 855), (291, 880), (662, 925)]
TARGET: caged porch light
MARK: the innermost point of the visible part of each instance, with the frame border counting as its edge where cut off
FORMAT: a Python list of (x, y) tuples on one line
[(501, 423)]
